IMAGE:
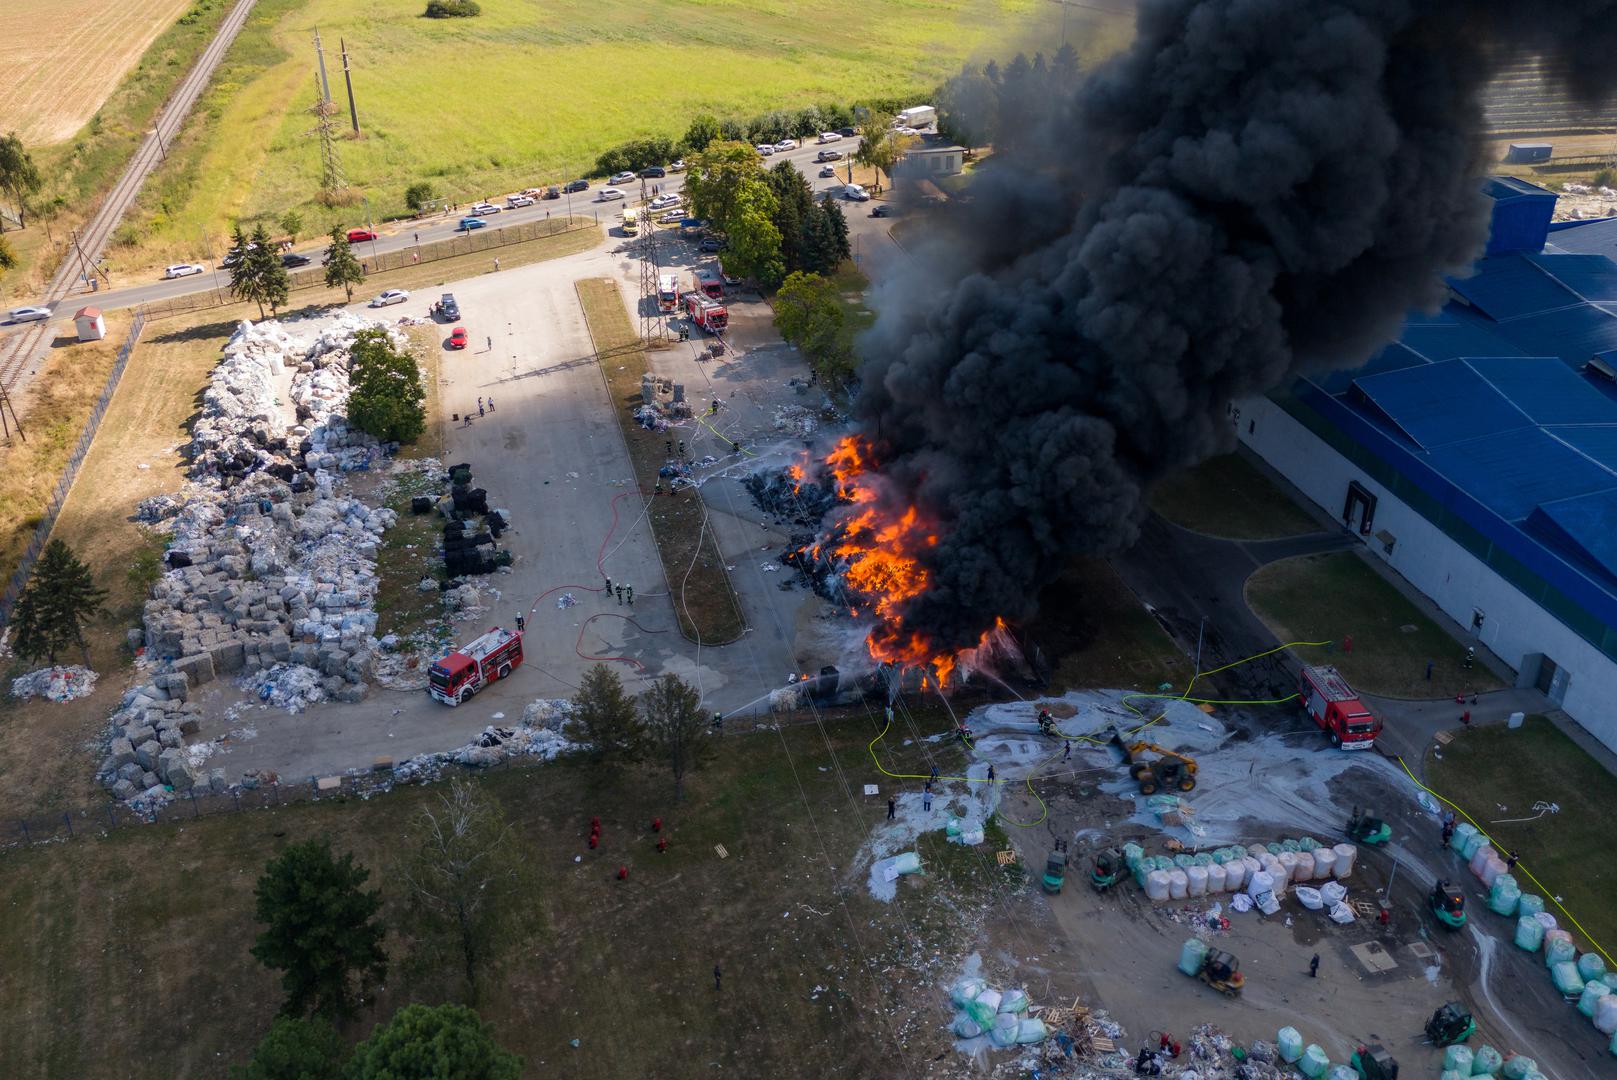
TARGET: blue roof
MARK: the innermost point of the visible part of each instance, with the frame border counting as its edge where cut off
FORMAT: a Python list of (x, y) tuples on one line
[(1592, 277), (1582, 528), (1510, 286), (1588, 237), (1512, 472), (1436, 404), (1544, 389), (1595, 441)]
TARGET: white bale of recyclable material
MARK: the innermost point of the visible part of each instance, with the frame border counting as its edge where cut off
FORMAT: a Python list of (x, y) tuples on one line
[(1013, 1001), (1520, 1067), (1529, 933), (1289, 861), (1235, 874), (987, 1002), (1217, 878), (1178, 883), (1257, 850), (1558, 948), (1485, 1061), (1279, 871), (965, 991), (1342, 1072), (1341, 913), (1267, 903), (1191, 955), (1493, 870), (1591, 966), (1156, 885), (1462, 836), (1196, 881), (1261, 882), (1605, 1017), (1345, 856), (1479, 859), (1031, 1031), (1326, 863), (1333, 892), (1289, 1044), (966, 1027), (1307, 868), (1590, 999), (1313, 1063), (1566, 978), (1546, 920), (1003, 1031), (1473, 843), (1457, 1058), (1309, 897)]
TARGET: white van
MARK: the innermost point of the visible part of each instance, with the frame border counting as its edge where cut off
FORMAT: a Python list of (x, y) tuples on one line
[(608, 194)]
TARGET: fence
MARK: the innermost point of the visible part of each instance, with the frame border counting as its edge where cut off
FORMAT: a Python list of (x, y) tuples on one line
[(62, 826), (42, 532), (314, 277)]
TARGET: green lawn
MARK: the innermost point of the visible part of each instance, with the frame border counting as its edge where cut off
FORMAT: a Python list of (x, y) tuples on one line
[(140, 939), (1100, 635), (1494, 773), (531, 92), (1227, 496), (1335, 596)]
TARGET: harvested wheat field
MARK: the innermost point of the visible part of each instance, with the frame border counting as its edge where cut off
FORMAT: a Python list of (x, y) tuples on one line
[(63, 57)]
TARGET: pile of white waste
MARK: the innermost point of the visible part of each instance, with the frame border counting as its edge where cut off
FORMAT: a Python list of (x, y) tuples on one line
[(1582, 980), (1000, 1016), (537, 736), (54, 683), (1258, 875), (271, 563)]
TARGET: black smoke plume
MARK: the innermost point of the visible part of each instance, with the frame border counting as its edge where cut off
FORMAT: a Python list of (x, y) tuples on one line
[(1253, 189)]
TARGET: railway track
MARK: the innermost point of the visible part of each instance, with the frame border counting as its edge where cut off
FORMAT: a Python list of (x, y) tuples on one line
[(27, 346)]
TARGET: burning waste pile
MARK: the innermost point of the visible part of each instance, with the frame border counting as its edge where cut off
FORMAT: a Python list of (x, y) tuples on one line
[(271, 564)]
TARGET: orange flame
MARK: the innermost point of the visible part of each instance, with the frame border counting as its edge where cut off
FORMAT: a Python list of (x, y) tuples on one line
[(882, 565)]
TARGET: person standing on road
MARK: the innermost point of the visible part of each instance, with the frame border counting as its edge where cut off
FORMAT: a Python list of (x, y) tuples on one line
[(490, 404), (1313, 967), (1448, 832), (1066, 753), (620, 596), (630, 590), (521, 623), (1428, 671), (990, 772), (892, 808), (718, 975), (479, 406), (926, 802), (489, 344), (1510, 862)]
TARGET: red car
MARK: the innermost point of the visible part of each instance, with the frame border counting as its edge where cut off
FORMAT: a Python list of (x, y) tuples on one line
[(457, 338), (356, 235)]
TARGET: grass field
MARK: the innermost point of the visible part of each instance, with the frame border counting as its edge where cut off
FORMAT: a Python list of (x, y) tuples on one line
[(1227, 496), (1099, 634), (708, 610), (532, 92), (132, 948), (1493, 773), (1335, 596), (50, 90)]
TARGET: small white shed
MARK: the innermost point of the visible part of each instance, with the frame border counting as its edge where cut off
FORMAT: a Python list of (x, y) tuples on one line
[(90, 324)]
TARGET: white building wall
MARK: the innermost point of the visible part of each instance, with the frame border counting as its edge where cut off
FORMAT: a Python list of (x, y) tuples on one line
[(1514, 626)]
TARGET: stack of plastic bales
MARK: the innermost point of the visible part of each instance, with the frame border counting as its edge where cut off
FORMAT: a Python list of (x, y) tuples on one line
[(1000, 1015), (1231, 869)]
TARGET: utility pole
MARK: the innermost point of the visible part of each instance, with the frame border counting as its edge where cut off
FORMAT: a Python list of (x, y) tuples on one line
[(653, 327), (348, 80), (332, 180), (1201, 633), (320, 59), (8, 417)]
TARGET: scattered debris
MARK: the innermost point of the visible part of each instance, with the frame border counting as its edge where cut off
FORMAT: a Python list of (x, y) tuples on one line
[(54, 683)]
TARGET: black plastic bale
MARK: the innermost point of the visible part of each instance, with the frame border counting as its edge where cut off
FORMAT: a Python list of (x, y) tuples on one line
[(421, 504)]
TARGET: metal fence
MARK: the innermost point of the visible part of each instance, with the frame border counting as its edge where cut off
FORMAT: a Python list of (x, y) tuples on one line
[(42, 531), (63, 825), (382, 263)]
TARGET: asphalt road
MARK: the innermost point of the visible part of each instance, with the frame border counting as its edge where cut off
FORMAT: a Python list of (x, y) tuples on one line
[(400, 236)]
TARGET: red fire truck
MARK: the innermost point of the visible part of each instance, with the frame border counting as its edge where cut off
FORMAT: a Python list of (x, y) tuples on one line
[(709, 283), (1328, 698), (708, 314), (667, 292), (466, 671)]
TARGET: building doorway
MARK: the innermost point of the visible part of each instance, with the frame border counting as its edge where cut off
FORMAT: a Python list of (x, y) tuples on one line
[(1548, 677), (1359, 511)]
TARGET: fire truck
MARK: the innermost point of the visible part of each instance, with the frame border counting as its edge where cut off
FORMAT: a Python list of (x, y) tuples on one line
[(709, 283), (1328, 698), (466, 671), (708, 314), (667, 292)]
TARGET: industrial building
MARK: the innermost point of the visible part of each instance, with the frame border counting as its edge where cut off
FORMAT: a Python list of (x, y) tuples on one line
[(1477, 455)]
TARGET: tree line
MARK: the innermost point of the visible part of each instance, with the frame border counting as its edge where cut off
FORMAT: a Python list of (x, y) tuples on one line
[(993, 104)]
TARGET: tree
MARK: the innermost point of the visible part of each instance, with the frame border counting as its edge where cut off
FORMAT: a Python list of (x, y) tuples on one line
[(1064, 68), (807, 122), (881, 147), (243, 284), (19, 176), (825, 238), (753, 243), (341, 266), (8, 257), (807, 315), (835, 115), (292, 224), (732, 130), (418, 197), (61, 595), (320, 929), (794, 203), (385, 397), (968, 108), (451, 9), (470, 884), (675, 726), (296, 1049), (604, 718), (715, 177), (704, 129), (433, 1042), (274, 285)]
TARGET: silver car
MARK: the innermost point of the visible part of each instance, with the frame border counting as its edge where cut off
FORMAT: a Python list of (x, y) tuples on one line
[(30, 314), (392, 296)]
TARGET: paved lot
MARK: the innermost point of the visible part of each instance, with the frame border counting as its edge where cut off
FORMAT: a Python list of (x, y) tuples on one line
[(551, 452)]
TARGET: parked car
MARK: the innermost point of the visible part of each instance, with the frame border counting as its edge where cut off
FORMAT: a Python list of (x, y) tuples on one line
[(847, 132), (483, 209), (577, 185), (656, 172), (30, 314), (356, 236), (624, 177), (729, 278), (765, 149), (233, 257), (673, 217), (292, 260), (447, 307), (677, 166), (534, 192), (829, 155), (392, 296), (827, 171), (787, 144), (712, 243), (467, 224), (512, 202), (552, 192), (608, 194), (856, 193), (883, 210), (662, 201), (183, 270), (457, 339), (830, 136)]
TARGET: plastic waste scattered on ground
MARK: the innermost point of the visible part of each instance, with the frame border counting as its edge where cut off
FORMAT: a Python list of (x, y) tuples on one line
[(54, 683)]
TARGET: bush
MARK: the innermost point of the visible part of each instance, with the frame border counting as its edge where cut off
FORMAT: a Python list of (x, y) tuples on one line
[(635, 155), (452, 9)]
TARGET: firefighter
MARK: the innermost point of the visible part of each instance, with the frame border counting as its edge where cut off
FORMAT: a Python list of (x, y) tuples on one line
[(522, 624)]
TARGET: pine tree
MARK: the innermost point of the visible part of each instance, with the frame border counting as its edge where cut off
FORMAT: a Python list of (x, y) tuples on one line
[(274, 284), (320, 929), (295, 1049), (604, 718), (433, 1041), (341, 266), (243, 280), (676, 727), (51, 613)]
